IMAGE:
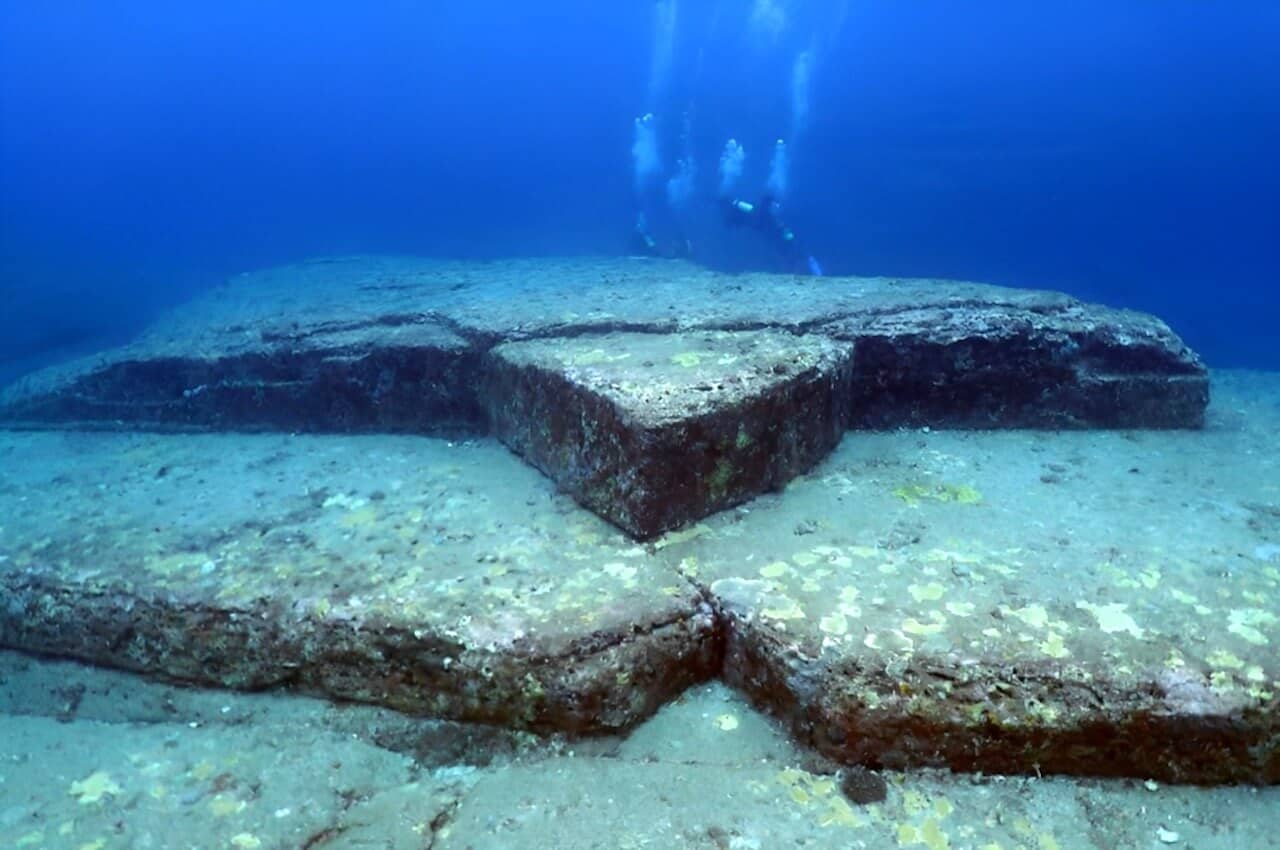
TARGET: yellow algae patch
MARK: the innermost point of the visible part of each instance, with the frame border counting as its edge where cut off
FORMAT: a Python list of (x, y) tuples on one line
[(912, 626), (222, 806), (1183, 597), (726, 722), (619, 570), (686, 359), (932, 836), (94, 787), (805, 559), (1245, 622), (959, 609), (834, 624), (95, 844), (915, 493), (30, 839), (927, 592), (1112, 618), (1053, 646), (820, 795), (246, 841), (672, 538), (775, 569), (929, 834), (783, 608), (1222, 658), (1149, 578), (839, 813), (913, 802), (170, 564), (1033, 615)]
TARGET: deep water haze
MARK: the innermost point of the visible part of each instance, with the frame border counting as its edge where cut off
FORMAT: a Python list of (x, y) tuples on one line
[(1121, 152)]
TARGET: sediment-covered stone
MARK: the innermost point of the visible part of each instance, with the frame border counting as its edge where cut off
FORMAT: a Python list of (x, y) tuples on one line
[(925, 598), (995, 716), (366, 573), (653, 431), (416, 377), (378, 343), (1018, 603)]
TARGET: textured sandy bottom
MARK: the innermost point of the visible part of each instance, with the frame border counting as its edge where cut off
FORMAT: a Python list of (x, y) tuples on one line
[(93, 758)]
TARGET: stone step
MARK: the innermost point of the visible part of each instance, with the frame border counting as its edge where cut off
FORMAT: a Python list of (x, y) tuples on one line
[(653, 431), (1086, 603), (371, 344), (435, 578)]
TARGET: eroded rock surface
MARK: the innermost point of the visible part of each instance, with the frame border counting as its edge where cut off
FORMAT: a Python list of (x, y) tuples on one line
[(370, 344), (1084, 602), (1087, 603), (652, 431), (350, 344), (433, 579)]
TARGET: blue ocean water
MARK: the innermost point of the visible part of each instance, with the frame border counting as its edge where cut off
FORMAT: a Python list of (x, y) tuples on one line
[(1122, 152)]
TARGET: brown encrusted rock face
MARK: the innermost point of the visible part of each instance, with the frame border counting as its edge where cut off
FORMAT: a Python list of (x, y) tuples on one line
[(993, 717), (1032, 360), (652, 431), (396, 377), (388, 343)]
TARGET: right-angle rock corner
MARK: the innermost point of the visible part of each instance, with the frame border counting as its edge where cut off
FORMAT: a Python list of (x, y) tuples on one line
[(654, 394), (653, 431)]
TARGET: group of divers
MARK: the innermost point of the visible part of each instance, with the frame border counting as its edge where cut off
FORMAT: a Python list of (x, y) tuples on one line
[(763, 217)]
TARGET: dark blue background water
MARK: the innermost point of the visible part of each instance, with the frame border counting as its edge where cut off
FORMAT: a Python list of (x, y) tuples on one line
[(1124, 152)]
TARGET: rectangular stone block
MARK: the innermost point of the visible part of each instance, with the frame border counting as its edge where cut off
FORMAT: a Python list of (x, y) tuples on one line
[(652, 431)]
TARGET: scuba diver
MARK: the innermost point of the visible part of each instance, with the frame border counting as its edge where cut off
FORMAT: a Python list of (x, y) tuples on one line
[(766, 217), (644, 244), (650, 193)]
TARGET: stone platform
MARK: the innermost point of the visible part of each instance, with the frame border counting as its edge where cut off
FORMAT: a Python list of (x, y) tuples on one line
[(653, 430), (375, 344), (1080, 602), (1008, 602)]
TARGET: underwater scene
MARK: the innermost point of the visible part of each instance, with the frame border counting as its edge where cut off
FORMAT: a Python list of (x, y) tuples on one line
[(725, 424)]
